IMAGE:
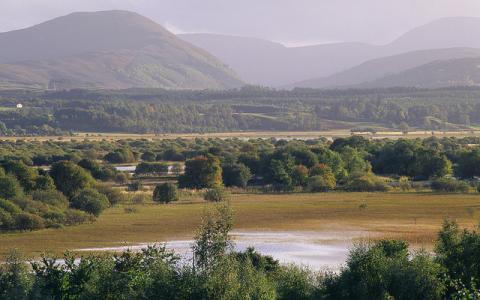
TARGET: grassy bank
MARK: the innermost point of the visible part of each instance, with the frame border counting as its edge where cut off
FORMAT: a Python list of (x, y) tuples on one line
[(415, 217)]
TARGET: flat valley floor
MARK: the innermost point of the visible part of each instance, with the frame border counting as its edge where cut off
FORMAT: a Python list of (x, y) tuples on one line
[(415, 217)]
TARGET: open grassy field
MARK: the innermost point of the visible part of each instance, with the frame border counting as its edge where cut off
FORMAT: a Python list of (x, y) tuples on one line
[(415, 217), (330, 134)]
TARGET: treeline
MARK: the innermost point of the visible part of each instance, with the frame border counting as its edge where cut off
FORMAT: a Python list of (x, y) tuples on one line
[(247, 109), (353, 163), (382, 270)]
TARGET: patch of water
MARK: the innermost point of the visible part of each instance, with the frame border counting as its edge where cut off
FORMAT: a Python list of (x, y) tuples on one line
[(317, 250)]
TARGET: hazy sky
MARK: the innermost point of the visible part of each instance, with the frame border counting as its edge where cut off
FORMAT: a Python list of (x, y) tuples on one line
[(293, 22)]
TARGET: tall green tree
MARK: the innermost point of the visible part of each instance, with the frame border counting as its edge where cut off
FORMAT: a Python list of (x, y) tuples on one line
[(70, 178)]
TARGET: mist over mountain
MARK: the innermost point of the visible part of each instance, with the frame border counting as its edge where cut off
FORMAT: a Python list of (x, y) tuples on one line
[(267, 63), (109, 49), (276, 65)]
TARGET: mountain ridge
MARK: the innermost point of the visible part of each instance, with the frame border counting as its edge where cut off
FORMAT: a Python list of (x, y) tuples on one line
[(381, 67), (147, 55)]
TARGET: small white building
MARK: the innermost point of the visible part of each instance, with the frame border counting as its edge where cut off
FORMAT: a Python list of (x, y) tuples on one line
[(19, 105)]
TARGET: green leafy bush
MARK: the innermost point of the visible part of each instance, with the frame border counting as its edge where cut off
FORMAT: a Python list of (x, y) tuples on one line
[(51, 197), (366, 183), (76, 217), (6, 219), (151, 168), (216, 194), (70, 178), (450, 185), (114, 196), (134, 186), (10, 187), (27, 221), (90, 201), (9, 207), (165, 193)]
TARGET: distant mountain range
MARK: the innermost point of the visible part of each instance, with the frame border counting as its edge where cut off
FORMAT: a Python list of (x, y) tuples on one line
[(120, 49), (271, 64), (110, 49)]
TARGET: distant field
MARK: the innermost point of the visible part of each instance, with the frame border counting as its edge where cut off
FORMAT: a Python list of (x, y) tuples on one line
[(415, 217), (252, 135)]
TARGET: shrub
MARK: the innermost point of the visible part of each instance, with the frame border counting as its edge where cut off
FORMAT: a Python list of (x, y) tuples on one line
[(236, 175), (69, 178), (10, 187), (53, 218), (140, 198), (148, 156), (44, 182), (386, 270), (120, 156), (6, 219), (300, 175), (134, 186), (52, 197), (295, 283), (363, 206), (165, 193), (75, 217), (449, 185), (216, 194), (30, 206), (121, 178), (114, 196), (26, 221), (130, 210), (9, 207), (24, 174), (91, 201), (151, 168), (366, 183), (321, 183), (201, 172), (404, 183)]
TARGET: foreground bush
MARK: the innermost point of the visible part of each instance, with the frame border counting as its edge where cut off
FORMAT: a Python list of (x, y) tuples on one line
[(386, 270)]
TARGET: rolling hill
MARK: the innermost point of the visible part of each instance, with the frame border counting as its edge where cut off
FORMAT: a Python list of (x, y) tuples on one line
[(385, 66), (109, 49), (454, 72), (263, 62)]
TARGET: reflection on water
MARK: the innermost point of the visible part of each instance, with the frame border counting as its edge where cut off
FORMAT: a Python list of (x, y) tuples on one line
[(317, 250)]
